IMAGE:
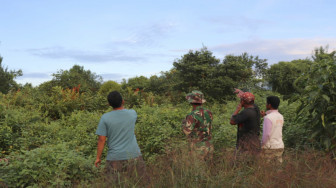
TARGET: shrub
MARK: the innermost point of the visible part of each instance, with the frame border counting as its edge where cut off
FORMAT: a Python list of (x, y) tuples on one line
[(51, 165), (157, 125)]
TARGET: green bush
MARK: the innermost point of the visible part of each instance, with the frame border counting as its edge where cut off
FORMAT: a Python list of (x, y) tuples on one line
[(12, 121), (223, 133), (48, 166), (156, 126)]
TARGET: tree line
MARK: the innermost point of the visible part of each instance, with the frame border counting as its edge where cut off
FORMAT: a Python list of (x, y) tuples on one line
[(310, 81)]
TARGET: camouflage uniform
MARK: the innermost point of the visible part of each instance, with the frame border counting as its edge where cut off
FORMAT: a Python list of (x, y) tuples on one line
[(197, 126)]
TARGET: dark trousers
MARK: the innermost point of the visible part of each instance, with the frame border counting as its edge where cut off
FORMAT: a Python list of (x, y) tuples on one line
[(116, 171)]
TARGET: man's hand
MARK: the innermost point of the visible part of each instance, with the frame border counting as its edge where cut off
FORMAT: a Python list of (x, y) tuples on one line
[(100, 148), (97, 163), (262, 113), (239, 107)]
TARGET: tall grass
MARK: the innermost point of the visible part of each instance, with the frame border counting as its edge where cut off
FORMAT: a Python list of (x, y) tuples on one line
[(179, 168)]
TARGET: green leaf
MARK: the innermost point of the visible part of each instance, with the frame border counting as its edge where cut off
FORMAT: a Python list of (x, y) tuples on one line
[(326, 98), (322, 117), (327, 143)]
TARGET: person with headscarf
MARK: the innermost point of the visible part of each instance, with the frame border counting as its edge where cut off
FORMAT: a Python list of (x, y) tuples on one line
[(248, 123)]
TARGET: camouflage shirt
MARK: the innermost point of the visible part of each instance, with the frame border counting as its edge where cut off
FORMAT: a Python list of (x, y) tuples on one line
[(197, 125)]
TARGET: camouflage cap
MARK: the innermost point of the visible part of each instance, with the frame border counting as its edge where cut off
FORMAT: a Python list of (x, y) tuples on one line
[(195, 97)]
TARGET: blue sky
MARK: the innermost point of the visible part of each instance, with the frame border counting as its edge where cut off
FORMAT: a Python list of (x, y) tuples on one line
[(123, 39)]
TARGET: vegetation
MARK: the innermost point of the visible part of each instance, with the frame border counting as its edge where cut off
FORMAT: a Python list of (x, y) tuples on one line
[(7, 78), (47, 133)]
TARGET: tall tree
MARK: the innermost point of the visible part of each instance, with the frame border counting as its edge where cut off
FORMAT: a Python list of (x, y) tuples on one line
[(108, 87), (87, 80), (244, 71), (201, 70), (318, 99), (138, 82), (7, 77), (196, 70), (282, 76)]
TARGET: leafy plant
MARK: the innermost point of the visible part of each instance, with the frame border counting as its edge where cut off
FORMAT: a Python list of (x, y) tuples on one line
[(318, 100)]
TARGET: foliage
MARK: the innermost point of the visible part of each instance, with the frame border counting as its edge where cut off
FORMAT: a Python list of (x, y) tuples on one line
[(195, 69), (50, 165), (108, 87), (281, 76), (223, 133), (156, 126), (140, 82), (295, 134), (47, 133), (179, 168), (7, 77), (62, 102), (318, 100), (166, 84), (243, 71), (12, 120), (201, 70), (77, 77)]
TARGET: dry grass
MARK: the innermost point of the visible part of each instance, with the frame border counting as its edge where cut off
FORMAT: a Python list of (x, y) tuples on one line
[(180, 169)]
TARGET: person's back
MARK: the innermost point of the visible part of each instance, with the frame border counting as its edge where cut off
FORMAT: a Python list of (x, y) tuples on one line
[(197, 126), (123, 151), (118, 126), (251, 123), (201, 119), (275, 138), (272, 143), (248, 121)]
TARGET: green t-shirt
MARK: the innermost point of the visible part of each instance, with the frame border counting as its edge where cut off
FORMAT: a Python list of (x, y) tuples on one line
[(118, 127)]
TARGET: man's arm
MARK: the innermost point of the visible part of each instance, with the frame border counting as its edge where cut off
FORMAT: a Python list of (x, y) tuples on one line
[(188, 124), (100, 148), (267, 128), (239, 107)]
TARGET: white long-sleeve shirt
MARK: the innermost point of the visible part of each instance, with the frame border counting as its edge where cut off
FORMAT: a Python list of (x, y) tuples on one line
[(272, 130)]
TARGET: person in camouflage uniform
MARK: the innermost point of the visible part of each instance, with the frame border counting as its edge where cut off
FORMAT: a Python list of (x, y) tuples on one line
[(197, 126)]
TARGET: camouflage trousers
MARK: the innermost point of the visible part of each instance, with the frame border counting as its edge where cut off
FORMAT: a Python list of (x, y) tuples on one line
[(116, 171), (271, 155)]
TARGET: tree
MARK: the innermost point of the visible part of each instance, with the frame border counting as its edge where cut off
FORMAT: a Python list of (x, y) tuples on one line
[(108, 87), (282, 76), (195, 69), (138, 82), (243, 71), (7, 77), (75, 77), (318, 99), (165, 83), (201, 70)]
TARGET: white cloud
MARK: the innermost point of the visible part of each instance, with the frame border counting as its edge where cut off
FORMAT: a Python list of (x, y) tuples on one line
[(84, 56), (276, 50), (148, 35)]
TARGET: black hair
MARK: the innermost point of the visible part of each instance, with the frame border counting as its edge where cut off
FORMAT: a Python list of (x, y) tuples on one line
[(115, 99), (274, 101)]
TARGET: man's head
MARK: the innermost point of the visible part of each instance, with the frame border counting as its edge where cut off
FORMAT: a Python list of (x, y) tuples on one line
[(247, 98), (195, 97), (115, 100), (272, 102)]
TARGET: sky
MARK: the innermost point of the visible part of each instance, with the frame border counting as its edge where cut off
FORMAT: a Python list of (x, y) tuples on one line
[(124, 39)]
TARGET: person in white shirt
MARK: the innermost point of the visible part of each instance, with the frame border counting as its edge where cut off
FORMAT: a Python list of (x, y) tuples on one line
[(272, 144)]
